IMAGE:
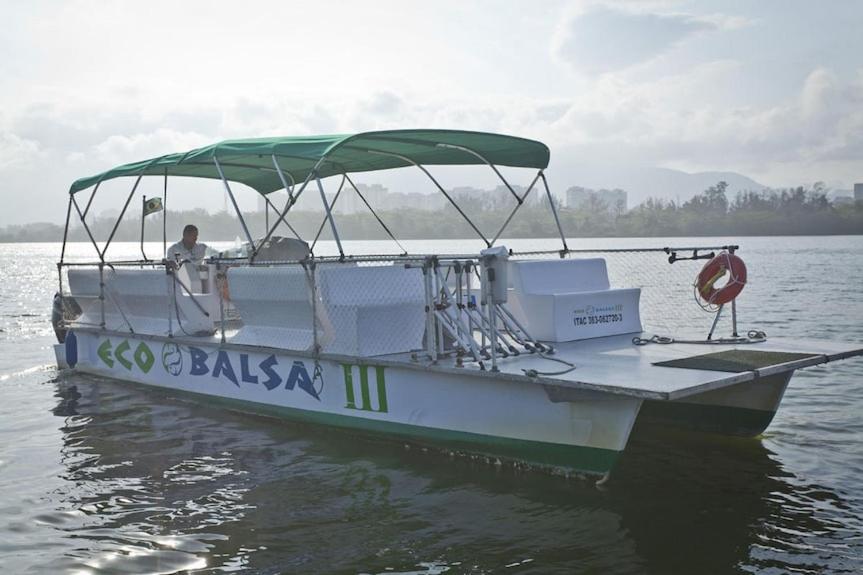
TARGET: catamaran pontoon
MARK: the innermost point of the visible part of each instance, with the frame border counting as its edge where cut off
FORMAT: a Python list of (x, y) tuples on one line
[(530, 357)]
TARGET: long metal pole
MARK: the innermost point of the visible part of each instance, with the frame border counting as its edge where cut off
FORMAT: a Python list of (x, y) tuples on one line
[(481, 157), (516, 208), (123, 212), (90, 201), (380, 221), (439, 187), (66, 230), (329, 215), (553, 210), (86, 227), (234, 202), (143, 218), (284, 212), (276, 210), (282, 175), (332, 205), (165, 216)]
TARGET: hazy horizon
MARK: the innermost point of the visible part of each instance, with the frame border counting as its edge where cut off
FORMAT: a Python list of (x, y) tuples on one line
[(769, 90)]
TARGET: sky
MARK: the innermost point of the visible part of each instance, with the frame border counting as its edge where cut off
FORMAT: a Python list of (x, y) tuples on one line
[(769, 89)]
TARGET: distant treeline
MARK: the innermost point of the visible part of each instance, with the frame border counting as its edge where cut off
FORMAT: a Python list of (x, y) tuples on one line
[(794, 211)]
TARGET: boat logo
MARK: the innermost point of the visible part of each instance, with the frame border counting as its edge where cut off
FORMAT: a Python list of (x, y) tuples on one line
[(172, 358)]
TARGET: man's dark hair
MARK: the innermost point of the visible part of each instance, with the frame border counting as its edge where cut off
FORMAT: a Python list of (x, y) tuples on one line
[(189, 229)]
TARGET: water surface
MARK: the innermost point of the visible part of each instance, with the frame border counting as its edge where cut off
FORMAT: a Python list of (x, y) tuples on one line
[(98, 476)]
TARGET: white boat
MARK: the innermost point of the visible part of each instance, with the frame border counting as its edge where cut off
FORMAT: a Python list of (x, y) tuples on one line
[(529, 357)]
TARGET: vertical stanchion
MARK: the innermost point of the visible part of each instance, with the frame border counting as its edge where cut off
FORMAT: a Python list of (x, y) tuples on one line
[(219, 284), (169, 276), (102, 294), (311, 271), (734, 318)]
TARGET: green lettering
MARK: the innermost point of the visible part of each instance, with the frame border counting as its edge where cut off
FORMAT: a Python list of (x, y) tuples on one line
[(118, 354), (104, 353), (144, 358)]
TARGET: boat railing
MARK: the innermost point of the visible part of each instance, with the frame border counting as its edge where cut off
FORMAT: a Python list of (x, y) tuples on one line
[(428, 305)]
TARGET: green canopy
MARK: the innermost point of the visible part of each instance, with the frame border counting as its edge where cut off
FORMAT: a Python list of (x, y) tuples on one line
[(250, 162)]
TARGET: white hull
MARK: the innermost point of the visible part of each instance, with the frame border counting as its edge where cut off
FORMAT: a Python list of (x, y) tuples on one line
[(496, 417)]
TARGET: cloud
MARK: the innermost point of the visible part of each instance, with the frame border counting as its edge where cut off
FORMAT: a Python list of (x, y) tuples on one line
[(16, 152), (602, 39)]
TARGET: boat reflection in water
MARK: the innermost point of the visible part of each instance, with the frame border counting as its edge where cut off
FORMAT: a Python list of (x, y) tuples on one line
[(159, 484)]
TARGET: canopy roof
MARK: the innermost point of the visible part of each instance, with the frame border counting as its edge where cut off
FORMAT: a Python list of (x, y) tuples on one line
[(250, 162)]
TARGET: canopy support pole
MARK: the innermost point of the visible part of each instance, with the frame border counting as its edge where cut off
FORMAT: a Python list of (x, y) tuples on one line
[(86, 227), (490, 165), (554, 211), (516, 208), (330, 214), (439, 187), (165, 216), (332, 206), (270, 204), (66, 229), (143, 218), (380, 221), (63, 249), (122, 213), (90, 201), (284, 212), (282, 175), (234, 202)]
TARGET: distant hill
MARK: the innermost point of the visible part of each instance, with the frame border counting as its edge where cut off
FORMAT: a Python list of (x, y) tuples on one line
[(651, 182)]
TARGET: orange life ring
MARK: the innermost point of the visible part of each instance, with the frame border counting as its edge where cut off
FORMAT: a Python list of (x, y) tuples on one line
[(715, 269)]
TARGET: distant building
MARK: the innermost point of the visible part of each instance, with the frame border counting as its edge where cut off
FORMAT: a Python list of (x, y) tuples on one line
[(858, 192), (614, 201)]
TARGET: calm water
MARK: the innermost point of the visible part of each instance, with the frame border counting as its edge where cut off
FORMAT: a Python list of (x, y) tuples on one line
[(98, 476)]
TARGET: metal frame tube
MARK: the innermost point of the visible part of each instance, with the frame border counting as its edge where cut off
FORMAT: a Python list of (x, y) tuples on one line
[(87, 229), (143, 218), (165, 216), (123, 212), (553, 211), (380, 221), (279, 171), (90, 201), (329, 215), (284, 212), (481, 157), (234, 201), (439, 187), (332, 205), (516, 208), (270, 204), (102, 295)]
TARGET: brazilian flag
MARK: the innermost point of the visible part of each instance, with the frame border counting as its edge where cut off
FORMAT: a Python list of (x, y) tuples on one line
[(152, 205)]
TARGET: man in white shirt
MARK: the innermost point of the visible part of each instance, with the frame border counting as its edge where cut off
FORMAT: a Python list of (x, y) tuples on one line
[(188, 249)]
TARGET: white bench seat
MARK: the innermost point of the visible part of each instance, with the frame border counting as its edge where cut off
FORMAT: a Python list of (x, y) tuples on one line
[(571, 299)]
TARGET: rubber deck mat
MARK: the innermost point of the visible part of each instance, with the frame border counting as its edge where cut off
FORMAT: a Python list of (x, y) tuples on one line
[(735, 360)]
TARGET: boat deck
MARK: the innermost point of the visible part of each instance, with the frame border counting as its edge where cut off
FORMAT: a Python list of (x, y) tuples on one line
[(615, 365)]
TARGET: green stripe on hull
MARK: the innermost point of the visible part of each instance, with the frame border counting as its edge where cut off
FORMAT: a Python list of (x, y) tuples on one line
[(591, 460), (720, 419)]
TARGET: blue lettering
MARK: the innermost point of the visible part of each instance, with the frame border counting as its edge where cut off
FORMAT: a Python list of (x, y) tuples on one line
[(199, 361), (273, 380), (300, 377), (244, 370), (223, 365)]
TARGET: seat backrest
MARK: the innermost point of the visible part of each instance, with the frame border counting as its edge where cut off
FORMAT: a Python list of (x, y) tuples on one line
[(370, 285), (542, 277)]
